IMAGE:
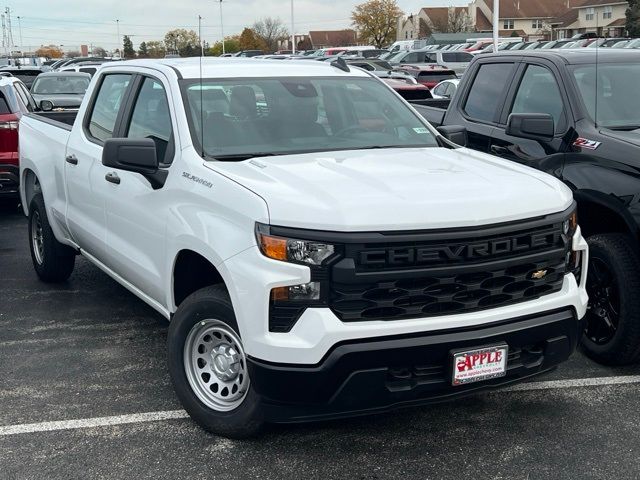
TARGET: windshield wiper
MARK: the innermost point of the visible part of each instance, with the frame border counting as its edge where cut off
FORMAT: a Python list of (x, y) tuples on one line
[(624, 128), (237, 157)]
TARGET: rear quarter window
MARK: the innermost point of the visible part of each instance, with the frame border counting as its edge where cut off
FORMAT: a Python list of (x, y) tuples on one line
[(4, 105)]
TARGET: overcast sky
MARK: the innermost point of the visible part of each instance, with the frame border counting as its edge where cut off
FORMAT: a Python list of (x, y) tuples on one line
[(74, 22)]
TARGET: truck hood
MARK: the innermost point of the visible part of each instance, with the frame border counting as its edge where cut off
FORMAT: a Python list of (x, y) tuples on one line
[(396, 189)]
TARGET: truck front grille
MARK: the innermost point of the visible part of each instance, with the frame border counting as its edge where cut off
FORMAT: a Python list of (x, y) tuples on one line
[(444, 273)]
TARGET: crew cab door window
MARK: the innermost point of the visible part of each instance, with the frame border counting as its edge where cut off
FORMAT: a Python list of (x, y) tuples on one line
[(487, 92), (151, 118), (539, 93), (107, 105)]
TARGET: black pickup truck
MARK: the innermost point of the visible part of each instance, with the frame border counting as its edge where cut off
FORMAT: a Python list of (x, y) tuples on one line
[(574, 114)]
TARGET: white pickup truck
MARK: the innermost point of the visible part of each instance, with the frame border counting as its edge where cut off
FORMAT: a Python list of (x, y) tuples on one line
[(319, 249)]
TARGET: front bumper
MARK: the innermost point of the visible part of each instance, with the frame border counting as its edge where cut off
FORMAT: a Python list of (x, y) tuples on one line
[(376, 375)]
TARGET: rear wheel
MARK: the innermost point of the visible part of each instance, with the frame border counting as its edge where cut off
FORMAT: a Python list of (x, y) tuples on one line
[(208, 365), (52, 260), (612, 333)]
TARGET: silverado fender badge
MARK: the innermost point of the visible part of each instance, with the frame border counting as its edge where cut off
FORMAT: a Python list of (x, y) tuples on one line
[(585, 143), (199, 180)]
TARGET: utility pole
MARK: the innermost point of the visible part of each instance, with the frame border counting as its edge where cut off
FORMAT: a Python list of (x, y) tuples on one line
[(118, 30), (200, 36), (496, 24), (20, 32), (293, 32), (221, 28)]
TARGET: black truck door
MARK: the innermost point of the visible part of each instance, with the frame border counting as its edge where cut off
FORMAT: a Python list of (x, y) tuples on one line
[(481, 104), (537, 90)]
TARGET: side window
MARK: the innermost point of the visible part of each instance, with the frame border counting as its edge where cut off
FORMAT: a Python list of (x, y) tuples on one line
[(463, 57), (90, 70), (449, 57), (410, 58), (107, 105), (151, 118), (25, 96), (487, 91), (431, 58), (539, 93)]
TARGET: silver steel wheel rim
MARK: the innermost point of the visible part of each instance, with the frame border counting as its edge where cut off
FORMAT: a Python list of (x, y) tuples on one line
[(37, 238), (215, 365)]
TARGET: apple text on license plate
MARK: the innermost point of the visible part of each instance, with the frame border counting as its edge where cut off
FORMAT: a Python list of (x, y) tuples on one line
[(480, 364)]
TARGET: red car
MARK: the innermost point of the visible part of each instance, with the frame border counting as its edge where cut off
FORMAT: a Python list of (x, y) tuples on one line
[(15, 100), (429, 75), (407, 89)]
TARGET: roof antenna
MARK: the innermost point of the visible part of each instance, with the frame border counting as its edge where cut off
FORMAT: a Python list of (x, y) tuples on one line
[(341, 64), (201, 101), (595, 114)]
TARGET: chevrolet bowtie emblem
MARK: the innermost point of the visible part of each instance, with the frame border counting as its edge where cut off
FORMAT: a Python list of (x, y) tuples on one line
[(539, 274)]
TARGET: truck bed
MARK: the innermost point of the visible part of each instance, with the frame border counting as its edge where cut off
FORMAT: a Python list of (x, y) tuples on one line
[(432, 110), (63, 119)]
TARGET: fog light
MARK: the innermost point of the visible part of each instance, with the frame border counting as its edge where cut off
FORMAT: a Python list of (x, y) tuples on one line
[(305, 291)]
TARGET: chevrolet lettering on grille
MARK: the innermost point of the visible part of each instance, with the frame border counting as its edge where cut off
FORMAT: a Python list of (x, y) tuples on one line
[(476, 250)]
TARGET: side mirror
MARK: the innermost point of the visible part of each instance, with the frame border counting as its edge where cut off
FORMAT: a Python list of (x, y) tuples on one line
[(134, 155), (533, 126), (46, 105), (454, 133)]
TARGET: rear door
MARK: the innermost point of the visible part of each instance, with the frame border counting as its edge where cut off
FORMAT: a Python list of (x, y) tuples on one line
[(87, 190), (539, 89)]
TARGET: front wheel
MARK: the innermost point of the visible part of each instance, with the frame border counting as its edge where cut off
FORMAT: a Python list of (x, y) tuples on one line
[(208, 365), (612, 334), (52, 261)]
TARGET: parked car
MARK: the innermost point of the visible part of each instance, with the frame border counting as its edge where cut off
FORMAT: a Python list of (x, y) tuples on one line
[(369, 53), (62, 89), (248, 53), (65, 62), (555, 44), (287, 240), (408, 88), (15, 101), (26, 74), (606, 42), (446, 89), (536, 45), (84, 67), (456, 61), (371, 65), (429, 75), (563, 121), (635, 43)]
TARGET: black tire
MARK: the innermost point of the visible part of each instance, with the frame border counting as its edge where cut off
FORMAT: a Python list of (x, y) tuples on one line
[(612, 334), (213, 302), (54, 261)]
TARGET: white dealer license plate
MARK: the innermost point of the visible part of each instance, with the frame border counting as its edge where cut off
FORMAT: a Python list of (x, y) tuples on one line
[(481, 364)]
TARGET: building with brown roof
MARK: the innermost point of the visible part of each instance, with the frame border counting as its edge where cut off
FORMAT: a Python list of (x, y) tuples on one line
[(333, 38), (606, 18), (435, 20)]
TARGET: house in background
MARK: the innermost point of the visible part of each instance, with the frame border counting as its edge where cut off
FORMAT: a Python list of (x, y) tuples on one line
[(606, 18), (530, 19)]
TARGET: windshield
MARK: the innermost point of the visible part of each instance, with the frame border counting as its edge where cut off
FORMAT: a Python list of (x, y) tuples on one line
[(278, 116), (60, 85), (618, 102)]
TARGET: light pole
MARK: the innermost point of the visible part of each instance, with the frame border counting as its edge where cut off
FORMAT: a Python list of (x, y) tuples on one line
[(200, 36), (221, 28), (20, 32), (118, 30), (496, 24), (293, 32)]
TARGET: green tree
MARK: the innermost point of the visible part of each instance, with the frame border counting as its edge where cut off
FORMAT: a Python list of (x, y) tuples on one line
[(376, 21), (633, 18), (270, 31), (183, 42), (156, 49), (143, 51), (231, 45), (250, 41), (127, 47)]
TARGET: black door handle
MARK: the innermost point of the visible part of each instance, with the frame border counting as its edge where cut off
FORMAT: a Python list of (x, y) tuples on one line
[(112, 177), (498, 150), (72, 159)]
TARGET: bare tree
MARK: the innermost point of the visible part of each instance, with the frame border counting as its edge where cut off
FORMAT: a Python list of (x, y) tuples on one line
[(270, 31), (457, 21), (99, 52)]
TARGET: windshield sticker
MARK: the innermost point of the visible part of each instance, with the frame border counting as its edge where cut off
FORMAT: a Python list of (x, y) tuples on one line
[(585, 143), (421, 130), (199, 180)]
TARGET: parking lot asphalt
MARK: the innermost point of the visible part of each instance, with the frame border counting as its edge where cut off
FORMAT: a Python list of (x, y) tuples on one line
[(88, 349)]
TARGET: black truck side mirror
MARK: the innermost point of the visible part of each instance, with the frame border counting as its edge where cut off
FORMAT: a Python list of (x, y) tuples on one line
[(533, 126), (454, 133), (134, 155)]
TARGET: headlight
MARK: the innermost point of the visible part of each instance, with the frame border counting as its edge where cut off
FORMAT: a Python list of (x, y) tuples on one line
[(292, 250), (570, 225)]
